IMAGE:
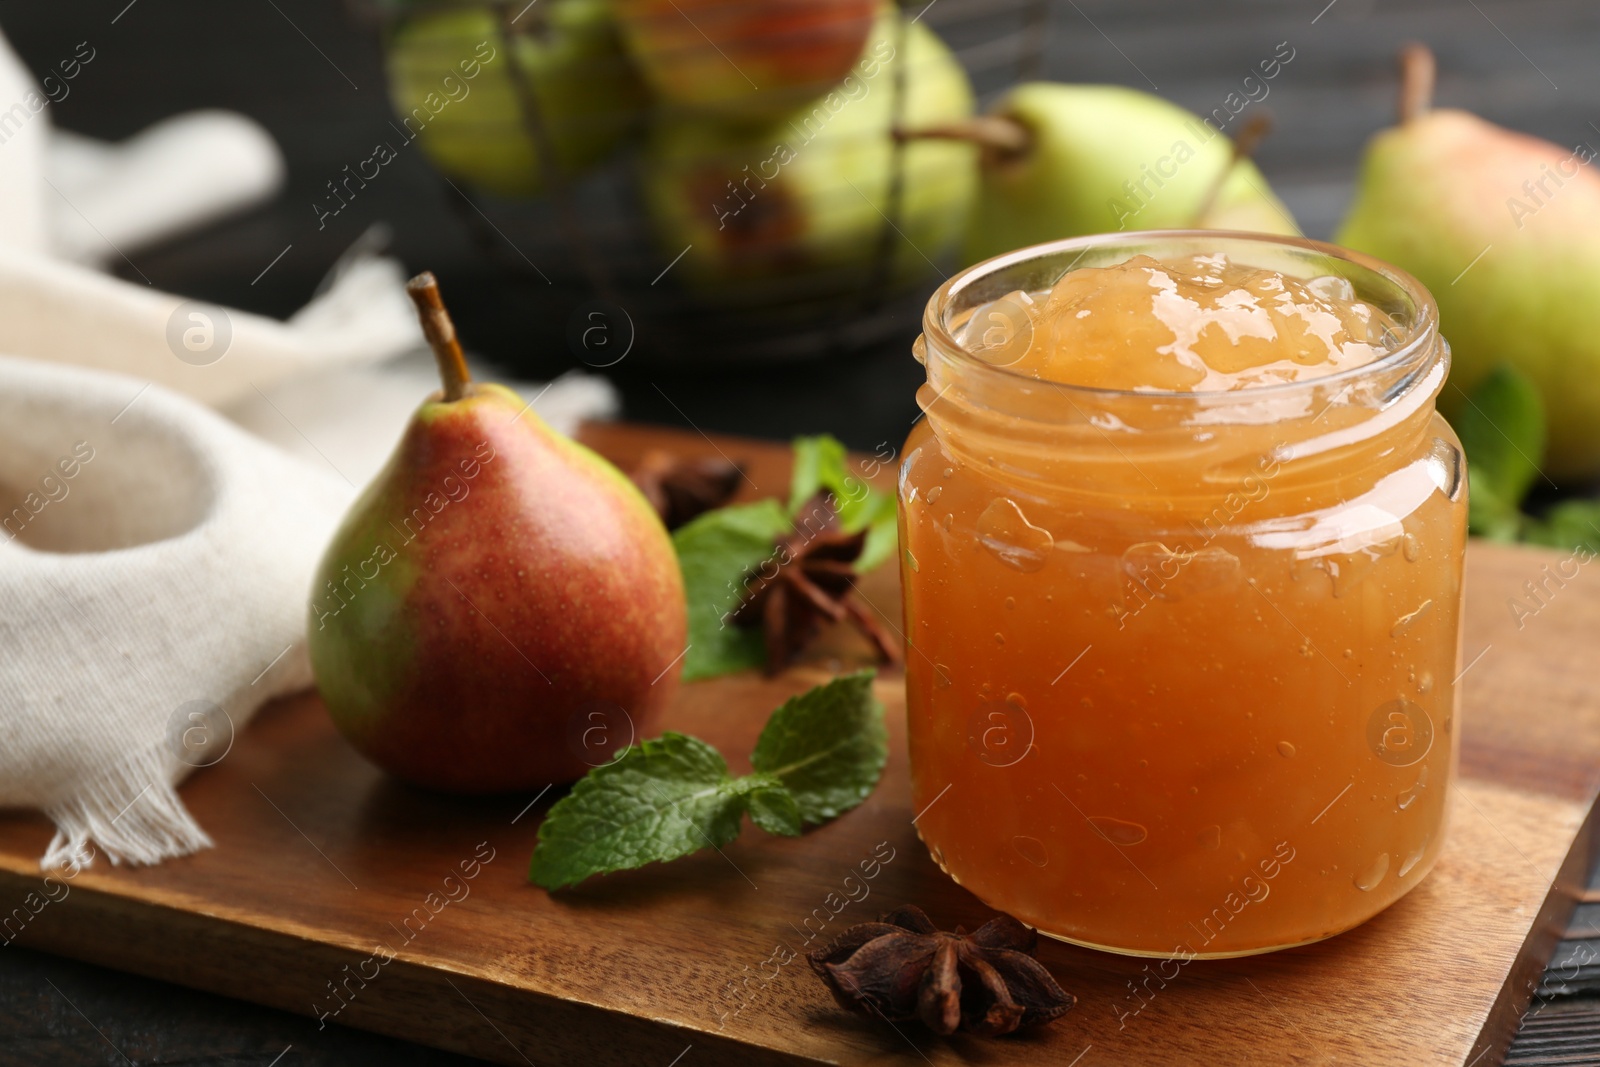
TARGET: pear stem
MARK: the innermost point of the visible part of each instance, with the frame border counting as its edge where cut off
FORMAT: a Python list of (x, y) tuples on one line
[(999, 135), (1418, 71), (1244, 147), (441, 334)]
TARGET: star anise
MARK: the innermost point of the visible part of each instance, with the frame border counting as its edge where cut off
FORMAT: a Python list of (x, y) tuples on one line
[(680, 488), (901, 968), (813, 581)]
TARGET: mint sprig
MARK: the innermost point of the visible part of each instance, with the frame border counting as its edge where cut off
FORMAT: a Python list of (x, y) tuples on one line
[(820, 754), (720, 548), (1502, 428)]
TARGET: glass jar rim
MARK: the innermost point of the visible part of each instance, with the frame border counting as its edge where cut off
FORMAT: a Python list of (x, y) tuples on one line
[(1417, 343)]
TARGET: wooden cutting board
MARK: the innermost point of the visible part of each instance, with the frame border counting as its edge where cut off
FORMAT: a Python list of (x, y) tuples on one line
[(323, 867)]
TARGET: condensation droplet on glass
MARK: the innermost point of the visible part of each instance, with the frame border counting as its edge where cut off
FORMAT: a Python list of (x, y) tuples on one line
[(1011, 602), (1424, 682), (1415, 858), (1286, 750), (1144, 763), (948, 471), (1194, 790), (934, 493), (1118, 831), (1405, 622), (912, 561), (1411, 547), (1006, 532), (986, 689), (941, 676), (1017, 700), (1211, 838), (1085, 702), (1368, 880), (1405, 798), (1030, 849), (1000, 639)]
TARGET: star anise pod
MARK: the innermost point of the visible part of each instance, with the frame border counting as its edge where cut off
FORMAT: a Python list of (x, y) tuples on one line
[(901, 968), (680, 488), (813, 581)]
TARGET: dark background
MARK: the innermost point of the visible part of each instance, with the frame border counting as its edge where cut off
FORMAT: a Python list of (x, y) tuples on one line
[(312, 74)]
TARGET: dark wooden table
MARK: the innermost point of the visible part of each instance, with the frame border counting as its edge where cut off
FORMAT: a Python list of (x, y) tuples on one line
[(313, 77)]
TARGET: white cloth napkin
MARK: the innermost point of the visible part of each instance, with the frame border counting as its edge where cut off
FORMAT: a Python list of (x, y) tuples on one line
[(155, 556), (176, 175)]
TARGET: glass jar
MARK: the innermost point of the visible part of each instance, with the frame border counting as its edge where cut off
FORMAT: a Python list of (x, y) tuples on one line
[(1182, 667)]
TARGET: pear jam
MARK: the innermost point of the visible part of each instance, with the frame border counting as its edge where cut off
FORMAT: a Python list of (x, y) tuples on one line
[(1182, 541)]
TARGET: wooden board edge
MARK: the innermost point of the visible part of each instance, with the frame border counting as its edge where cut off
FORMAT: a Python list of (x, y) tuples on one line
[(1514, 1003), (454, 1012)]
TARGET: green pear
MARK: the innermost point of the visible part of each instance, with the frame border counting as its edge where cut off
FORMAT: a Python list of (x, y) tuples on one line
[(1504, 230), (451, 82), (1090, 159), (500, 608), (811, 192)]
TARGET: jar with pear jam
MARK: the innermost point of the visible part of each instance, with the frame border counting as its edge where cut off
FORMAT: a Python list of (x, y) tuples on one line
[(1181, 539)]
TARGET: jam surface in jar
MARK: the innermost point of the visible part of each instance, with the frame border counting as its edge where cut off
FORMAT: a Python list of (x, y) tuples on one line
[(1182, 541)]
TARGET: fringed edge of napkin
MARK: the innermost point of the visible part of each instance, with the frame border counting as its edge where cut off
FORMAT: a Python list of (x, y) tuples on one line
[(132, 814)]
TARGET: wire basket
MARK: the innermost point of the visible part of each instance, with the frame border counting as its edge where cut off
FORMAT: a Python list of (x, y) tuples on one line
[(620, 258)]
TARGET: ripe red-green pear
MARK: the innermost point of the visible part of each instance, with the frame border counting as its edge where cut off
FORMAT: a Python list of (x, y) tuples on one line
[(1504, 230), (744, 58), (501, 607)]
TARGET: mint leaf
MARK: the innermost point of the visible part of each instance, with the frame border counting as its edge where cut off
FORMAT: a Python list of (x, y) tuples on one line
[(773, 808), (1501, 426), (828, 746), (1488, 515), (821, 463), (1571, 524), (883, 533), (715, 552), (667, 798)]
